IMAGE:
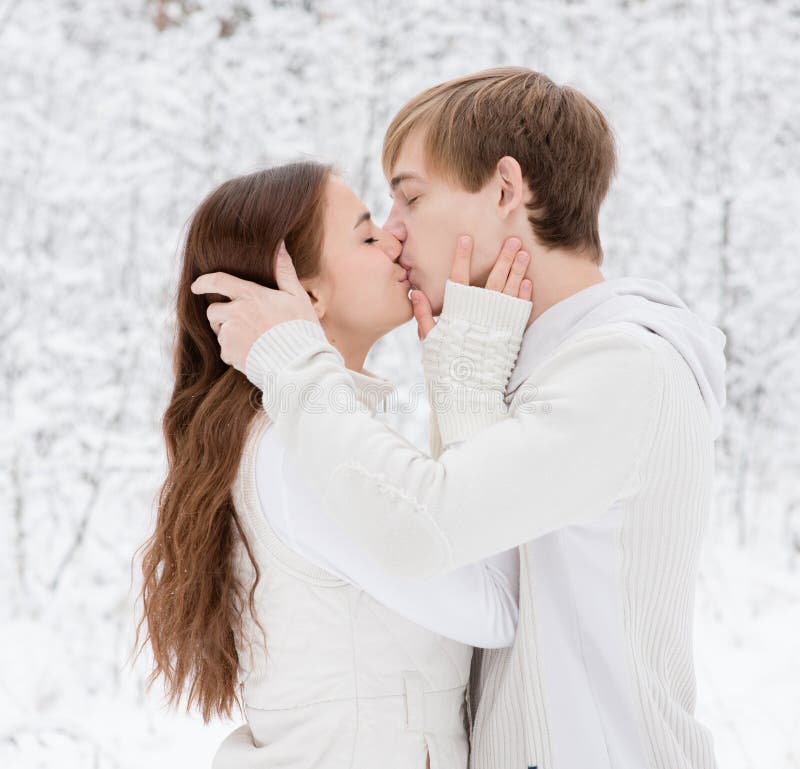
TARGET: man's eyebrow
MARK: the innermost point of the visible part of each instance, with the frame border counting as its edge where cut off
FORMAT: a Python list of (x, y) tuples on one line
[(365, 217), (401, 178)]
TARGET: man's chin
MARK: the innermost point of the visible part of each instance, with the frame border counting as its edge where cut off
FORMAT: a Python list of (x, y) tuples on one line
[(436, 300), (436, 303)]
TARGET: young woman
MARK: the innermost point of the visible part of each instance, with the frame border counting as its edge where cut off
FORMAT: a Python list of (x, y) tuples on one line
[(250, 593)]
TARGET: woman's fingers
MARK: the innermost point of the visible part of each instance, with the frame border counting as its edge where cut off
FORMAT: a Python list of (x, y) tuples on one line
[(502, 267), (515, 277), (461, 261), (422, 313), (507, 276)]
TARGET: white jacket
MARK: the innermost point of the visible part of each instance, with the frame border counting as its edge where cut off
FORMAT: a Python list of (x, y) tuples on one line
[(357, 670), (476, 604), (599, 465)]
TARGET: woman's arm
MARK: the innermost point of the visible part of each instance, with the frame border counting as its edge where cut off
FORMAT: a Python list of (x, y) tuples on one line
[(476, 604)]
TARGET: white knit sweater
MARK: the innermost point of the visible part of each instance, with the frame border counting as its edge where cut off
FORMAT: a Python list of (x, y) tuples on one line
[(600, 468), (476, 604), (343, 681)]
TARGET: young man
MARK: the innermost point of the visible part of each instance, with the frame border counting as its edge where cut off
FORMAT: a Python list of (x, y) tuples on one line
[(596, 458)]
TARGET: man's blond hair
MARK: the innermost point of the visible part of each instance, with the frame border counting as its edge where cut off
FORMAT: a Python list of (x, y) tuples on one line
[(561, 140)]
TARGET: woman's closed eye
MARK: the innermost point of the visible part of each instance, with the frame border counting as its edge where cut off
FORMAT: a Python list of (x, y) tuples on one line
[(371, 240)]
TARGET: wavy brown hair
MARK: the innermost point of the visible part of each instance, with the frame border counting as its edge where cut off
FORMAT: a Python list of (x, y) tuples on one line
[(190, 589)]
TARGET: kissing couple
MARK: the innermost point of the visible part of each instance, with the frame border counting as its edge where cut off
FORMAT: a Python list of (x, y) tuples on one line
[(521, 596)]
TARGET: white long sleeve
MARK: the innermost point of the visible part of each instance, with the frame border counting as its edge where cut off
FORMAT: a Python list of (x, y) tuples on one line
[(601, 470), (590, 412), (476, 604), (468, 358)]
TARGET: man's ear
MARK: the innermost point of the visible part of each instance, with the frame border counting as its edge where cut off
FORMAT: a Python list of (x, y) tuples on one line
[(512, 185), (317, 297)]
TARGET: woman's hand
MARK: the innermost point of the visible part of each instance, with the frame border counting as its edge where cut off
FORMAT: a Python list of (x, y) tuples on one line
[(507, 276)]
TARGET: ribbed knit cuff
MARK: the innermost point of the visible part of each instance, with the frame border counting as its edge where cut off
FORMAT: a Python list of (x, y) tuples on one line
[(275, 348), (484, 307), (468, 358), (476, 339)]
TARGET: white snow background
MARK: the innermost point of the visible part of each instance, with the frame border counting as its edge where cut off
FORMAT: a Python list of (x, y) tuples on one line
[(117, 116)]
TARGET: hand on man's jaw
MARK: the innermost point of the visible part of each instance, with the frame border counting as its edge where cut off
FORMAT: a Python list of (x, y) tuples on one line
[(555, 273)]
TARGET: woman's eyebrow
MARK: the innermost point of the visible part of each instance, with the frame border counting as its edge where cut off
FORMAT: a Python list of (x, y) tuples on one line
[(364, 217)]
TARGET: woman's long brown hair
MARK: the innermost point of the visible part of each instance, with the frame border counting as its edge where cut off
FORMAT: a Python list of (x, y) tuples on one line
[(190, 590)]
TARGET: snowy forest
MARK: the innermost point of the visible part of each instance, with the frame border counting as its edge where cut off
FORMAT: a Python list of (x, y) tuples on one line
[(118, 116)]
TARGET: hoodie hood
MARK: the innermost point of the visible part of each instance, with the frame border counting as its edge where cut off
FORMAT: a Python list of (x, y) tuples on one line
[(647, 303)]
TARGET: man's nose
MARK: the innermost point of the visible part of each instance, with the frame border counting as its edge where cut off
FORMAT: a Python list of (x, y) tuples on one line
[(395, 226)]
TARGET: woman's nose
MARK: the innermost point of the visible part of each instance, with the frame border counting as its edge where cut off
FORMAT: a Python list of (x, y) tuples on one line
[(391, 245)]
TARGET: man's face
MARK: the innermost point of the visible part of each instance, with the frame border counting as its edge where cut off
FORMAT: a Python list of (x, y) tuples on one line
[(429, 214)]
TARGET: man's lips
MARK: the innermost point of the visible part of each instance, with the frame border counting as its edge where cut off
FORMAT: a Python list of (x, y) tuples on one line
[(407, 277)]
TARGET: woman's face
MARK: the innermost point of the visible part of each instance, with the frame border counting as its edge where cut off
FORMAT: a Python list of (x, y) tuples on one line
[(361, 291)]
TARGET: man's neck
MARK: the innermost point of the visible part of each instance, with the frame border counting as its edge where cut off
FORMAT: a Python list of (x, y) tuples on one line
[(557, 275)]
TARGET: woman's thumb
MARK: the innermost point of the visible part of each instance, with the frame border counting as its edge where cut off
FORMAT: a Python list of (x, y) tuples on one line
[(422, 313)]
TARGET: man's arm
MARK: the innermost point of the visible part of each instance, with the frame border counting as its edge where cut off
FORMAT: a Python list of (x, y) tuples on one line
[(571, 449), (476, 604)]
